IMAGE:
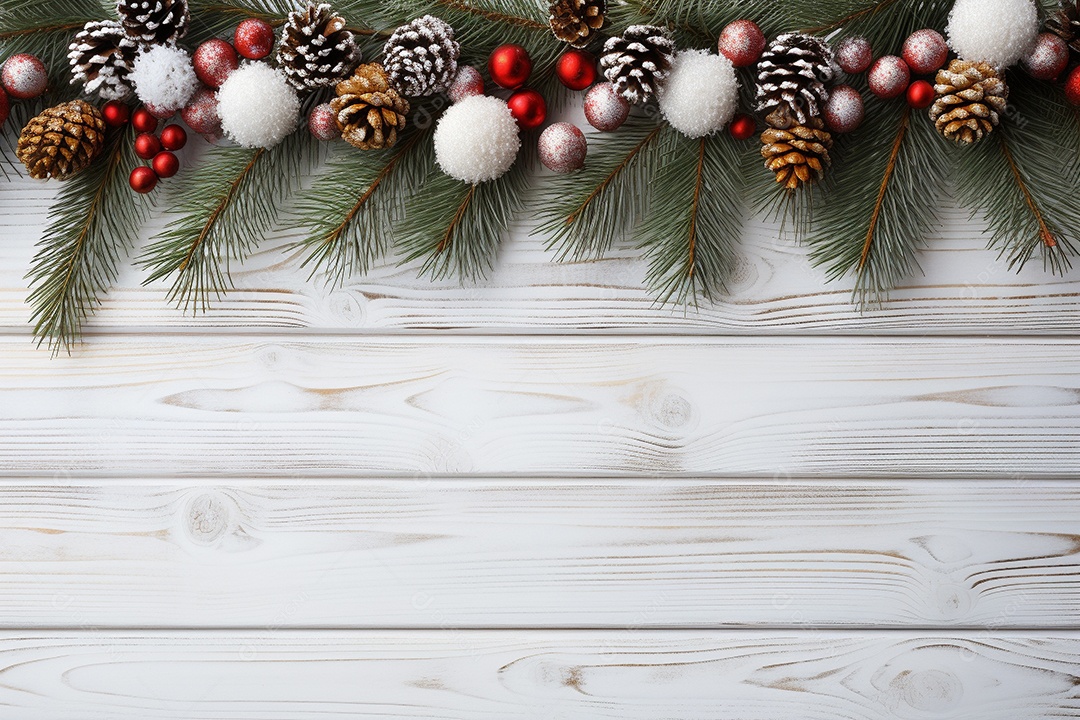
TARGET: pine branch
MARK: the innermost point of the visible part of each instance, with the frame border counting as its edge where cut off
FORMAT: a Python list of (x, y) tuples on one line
[(224, 208), (92, 225), (885, 23), (696, 22)]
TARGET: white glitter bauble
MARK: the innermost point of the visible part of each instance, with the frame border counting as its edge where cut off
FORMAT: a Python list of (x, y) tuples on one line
[(257, 107), (477, 139), (164, 76), (700, 94), (993, 31), (562, 148)]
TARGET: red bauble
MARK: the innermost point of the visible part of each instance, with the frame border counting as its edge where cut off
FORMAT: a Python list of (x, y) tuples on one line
[(322, 123), (1072, 86), (143, 121), (528, 108), (741, 42), (844, 111), (254, 38), (742, 127), (24, 76), (509, 66), (115, 113), (5, 106), (605, 109), (562, 148), (920, 95), (201, 112), (889, 77), (854, 55), (1048, 58), (165, 164), (925, 51), (147, 146), (214, 60), (160, 113), (467, 83), (143, 179), (173, 137), (576, 69)]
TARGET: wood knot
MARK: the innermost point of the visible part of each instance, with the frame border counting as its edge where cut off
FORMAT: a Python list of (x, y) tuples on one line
[(673, 411), (208, 518), (931, 691)]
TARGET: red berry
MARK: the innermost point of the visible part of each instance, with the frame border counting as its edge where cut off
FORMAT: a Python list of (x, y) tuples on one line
[(576, 69), (509, 66), (173, 137), (741, 42), (147, 146), (165, 164), (214, 60), (143, 121), (528, 108), (920, 95), (742, 127), (254, 38), (143, 179), (1072, 86), (115, 113)]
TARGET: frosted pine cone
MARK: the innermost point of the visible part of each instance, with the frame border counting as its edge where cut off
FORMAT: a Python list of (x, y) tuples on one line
[(797, 155), (638, 62), (316, 50), (154, 22), (101, 58), (970, 99), (791, 77), (369, 112), (421, 57)]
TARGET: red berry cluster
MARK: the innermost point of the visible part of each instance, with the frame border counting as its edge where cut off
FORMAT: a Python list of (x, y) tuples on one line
[(160, 149)]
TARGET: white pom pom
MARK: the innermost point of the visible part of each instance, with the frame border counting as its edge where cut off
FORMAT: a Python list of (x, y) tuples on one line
[(700, 95), (477, 139), (163, 76), (998, 32), (257, 106)]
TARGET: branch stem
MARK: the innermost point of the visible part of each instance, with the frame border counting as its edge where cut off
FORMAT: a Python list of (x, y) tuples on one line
[(890, 167), (572, 218), (1045, 235)]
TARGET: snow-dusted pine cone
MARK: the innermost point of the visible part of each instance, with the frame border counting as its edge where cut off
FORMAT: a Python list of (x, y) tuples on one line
[(791, 77), (421, 57), (369, 112), (970, 99), (574, 21), (638, 62), (154, 21), (797, 155), (62, 141), (101, 56), (316, 50)]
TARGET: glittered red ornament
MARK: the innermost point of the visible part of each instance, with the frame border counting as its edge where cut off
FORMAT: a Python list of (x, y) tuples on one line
[(742, 127), (1048, 58), (143, 121), (1072, 86), (741, 42), (605, 109), (5, 106), (854, 55), (889, 77), (925, 51), (562, 148), (173, 137), (844, 111), (920, 95), (159, 112), (528, 108), (201, 112), (115, 113), (254, 38), (467, 83), (165, 164), (322, 123), (24, 76), (214, 60), (147, 146), (509, 66), (143, 179), (576, 69)]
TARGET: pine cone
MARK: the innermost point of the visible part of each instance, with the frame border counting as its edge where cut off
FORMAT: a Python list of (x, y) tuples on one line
[(799, 154), (101, 57), (421, 57), (316, 50), (638, 62), (791, 77), (369, 112), (62, 140), (970, 98), (154, 21), (573, 21), (1065, 23)]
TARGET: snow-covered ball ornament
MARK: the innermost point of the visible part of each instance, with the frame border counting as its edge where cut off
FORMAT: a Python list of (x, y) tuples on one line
[(605, 109), (889, 77), (1048, 58), (322, 123), (257, 106), (164, 77), (925, 51), (700, 94), (201, 112), (477, 139), (467, 83), (562, 148), (998, 32), (854, 55), (844, 111)]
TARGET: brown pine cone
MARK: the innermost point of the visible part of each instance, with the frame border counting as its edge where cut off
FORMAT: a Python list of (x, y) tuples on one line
[(970, 98), (1065, 23), (799, 154), (369, 112), (573, 21), (62, 140), (154, 22), (101, 58), (316, 50)]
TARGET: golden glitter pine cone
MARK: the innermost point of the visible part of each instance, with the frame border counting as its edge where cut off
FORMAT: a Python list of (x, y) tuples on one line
[(369, 112), (62, 140), (574, 21), (971, 96), (798, 155)]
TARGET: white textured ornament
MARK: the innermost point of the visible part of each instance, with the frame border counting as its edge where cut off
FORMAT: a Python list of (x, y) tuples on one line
[(257, 106), (477, 139), (998, 32), (700, 94), (164, 76)]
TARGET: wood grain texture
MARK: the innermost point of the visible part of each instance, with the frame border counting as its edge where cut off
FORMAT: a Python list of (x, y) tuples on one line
[(843, 407), (272, 673), (966, 289), (529, 553)]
